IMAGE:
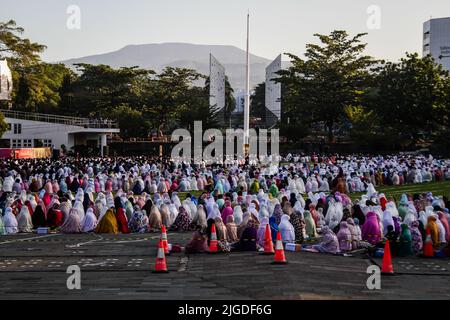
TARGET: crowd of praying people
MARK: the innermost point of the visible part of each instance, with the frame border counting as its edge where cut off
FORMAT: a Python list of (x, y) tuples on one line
[(305, 198)]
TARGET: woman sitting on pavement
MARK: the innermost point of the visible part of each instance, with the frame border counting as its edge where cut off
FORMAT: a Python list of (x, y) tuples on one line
[(198, 243), (329, 243), (247, 241)]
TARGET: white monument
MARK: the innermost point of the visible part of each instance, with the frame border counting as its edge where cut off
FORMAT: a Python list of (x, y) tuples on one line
[(6, 84), (216, 84), (273, 92)]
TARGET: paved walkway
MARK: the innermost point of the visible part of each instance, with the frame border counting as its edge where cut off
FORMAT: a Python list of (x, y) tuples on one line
[(119, 267)]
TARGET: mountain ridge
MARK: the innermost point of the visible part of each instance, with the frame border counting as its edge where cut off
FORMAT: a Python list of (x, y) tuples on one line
[(157, 56)]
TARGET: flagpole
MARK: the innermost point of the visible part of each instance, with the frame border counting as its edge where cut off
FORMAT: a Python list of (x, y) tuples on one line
[(247, 93)]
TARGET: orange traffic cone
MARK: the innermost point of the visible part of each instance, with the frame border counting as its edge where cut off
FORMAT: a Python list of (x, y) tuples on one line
[(386, 266), (164, 239), (279, 251), (428, 245), (213, 244), (160, 266), (268, 244)]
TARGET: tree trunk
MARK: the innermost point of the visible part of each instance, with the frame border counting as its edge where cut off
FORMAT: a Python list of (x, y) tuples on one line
[(330, 132)]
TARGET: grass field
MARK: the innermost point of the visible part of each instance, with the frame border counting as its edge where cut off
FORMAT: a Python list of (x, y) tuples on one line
[(437, 188)]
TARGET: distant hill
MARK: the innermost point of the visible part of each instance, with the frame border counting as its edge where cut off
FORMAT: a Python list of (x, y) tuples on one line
[(158, 56)]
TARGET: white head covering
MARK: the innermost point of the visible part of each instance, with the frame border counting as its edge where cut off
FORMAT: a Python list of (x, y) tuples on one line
[(286, 229), (89, 222), (334, 214), (387, 221), (215, 212), (10, 221), (263, 212), (173, 211), (410, 217), (238, 215), (80, 209), (24, 221), (392, 208)]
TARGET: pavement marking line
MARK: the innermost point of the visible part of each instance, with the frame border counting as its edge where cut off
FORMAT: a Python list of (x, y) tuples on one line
[(25, 239), (130, 241), (83, 243), (183, 264)]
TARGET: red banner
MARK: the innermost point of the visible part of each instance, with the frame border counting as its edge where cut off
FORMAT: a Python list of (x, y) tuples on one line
[(26, 153)]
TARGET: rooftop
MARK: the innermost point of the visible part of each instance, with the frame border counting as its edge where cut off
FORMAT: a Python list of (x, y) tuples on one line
[(51, 118)]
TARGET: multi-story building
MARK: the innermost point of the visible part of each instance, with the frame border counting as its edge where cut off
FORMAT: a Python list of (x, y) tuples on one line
[(436, 40)]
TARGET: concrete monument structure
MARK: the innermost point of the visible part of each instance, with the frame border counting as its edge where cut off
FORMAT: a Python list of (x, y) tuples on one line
[(216, 84), (273, 93)]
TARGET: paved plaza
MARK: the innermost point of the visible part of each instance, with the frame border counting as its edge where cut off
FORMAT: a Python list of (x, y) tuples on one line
[(119, 267)]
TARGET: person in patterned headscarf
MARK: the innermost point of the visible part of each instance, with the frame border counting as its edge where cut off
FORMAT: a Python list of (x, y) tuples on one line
[(345, 237), (299, 227), (182, 221), (277, 213), (329, 243), (417, 242), (139, 221)]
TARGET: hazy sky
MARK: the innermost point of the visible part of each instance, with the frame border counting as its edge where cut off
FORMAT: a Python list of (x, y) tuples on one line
[(276, 25)]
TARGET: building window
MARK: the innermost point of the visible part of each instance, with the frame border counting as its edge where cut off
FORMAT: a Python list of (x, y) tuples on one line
[(27, 143), (9, 127), (16, 143), (47, 143), (17, 128)]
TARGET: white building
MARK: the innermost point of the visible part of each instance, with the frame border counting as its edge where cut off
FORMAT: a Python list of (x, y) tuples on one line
[(6, 84), (29, 130), (436, 40)]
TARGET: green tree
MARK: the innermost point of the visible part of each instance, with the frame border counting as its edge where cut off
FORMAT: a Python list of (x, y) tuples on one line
[(171, 96), (332, 77), (412, 99), (131, 122), (198, 110), (38, 87), (258, 102), (100, 88), (3, 125), (21, 52), (66, 94), (37, 83), (230, 101)]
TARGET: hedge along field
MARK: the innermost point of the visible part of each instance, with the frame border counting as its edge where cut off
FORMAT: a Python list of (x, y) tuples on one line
[(441, 188), (437, 188)]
